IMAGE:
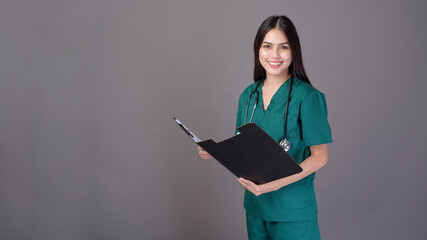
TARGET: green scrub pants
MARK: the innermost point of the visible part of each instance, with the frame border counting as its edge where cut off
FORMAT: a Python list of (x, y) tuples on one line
[(259, 229)]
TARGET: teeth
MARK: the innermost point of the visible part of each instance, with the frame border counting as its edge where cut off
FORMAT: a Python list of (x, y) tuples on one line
[(274, 63)]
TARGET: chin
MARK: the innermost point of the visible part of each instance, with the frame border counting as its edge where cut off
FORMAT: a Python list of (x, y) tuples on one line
[(277, 73)]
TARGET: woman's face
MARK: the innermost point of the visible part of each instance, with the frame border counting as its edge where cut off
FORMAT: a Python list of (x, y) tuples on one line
[(275, 54)]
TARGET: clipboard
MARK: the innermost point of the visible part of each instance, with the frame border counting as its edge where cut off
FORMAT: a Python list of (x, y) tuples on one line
[(252, 154)]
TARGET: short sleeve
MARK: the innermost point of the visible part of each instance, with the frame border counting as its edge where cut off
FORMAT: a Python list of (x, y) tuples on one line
[(314, 120)]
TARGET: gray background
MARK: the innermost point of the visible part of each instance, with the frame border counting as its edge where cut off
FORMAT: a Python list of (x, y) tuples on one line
[(89, 150)]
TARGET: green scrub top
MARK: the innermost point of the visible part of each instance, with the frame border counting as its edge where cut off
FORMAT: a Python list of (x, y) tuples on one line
[(307, 125)]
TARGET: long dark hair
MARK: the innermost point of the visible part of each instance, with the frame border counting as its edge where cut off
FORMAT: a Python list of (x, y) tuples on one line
[(287, 27)]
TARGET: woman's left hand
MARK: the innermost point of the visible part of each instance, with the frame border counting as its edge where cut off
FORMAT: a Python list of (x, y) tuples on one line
[(257, 189), (318, 159)]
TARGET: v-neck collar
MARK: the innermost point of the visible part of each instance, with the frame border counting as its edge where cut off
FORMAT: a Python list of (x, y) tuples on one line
[(274, 97)]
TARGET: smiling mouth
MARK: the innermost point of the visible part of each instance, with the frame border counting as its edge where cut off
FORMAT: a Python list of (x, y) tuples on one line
[(275, 64)]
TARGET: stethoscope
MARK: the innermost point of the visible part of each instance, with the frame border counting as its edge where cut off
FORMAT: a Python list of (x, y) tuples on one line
[(285, 144)]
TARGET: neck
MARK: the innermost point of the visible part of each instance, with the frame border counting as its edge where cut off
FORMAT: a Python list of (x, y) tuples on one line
[(276, 80)]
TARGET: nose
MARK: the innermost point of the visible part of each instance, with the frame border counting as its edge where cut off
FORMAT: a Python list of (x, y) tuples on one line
[(275, 53)]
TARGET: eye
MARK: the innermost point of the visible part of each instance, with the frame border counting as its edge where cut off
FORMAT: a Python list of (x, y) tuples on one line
[(284, 47), (266, 46)]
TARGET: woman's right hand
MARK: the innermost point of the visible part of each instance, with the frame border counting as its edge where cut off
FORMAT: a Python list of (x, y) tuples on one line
[(203, 154)]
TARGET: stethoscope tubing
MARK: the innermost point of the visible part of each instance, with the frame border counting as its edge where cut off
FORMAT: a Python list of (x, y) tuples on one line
[(285, 142), (286, 110), (256, 102)]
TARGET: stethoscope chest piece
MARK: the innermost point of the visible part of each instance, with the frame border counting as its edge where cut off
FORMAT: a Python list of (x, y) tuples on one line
[(285, 144)]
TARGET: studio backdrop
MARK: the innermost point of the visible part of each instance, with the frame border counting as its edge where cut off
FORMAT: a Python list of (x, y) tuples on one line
[(88, 89)]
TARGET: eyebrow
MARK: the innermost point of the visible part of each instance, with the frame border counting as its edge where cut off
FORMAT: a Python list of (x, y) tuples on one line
[(283, 43)]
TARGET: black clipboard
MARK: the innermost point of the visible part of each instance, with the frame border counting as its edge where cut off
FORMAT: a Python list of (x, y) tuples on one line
[(252, 154)]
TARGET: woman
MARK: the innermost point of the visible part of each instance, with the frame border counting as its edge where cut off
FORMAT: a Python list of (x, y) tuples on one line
[(285, 208)]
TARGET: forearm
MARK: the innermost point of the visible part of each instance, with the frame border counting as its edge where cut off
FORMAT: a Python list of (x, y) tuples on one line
[(309, 166), (318, 159)]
